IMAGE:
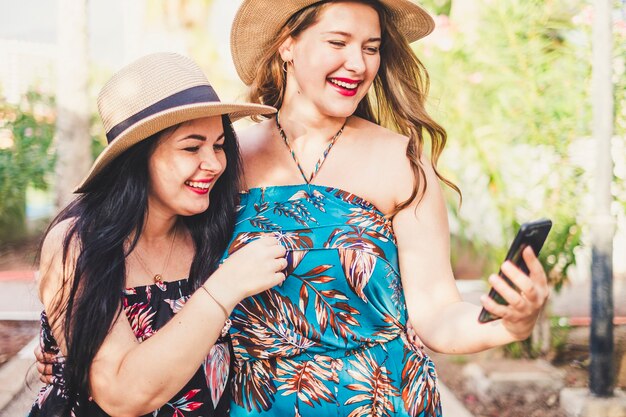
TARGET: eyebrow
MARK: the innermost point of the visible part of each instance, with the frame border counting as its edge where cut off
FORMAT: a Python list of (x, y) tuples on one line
[(200, 137), (348, 35)]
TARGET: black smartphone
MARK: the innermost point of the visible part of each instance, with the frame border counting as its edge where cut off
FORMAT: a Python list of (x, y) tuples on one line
[(531, 234)]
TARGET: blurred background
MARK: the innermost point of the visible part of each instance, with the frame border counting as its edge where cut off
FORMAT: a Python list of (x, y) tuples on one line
[(511, 83)]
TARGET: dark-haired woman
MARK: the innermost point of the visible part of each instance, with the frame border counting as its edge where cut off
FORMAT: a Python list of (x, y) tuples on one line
[(141, 243)]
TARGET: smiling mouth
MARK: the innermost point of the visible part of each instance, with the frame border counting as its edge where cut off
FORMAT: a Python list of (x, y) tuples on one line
[(199, 185), (343, 84)]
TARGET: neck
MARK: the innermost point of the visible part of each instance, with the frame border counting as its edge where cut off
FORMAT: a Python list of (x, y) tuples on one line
[(297, 125), (158, 228), (303, 122)]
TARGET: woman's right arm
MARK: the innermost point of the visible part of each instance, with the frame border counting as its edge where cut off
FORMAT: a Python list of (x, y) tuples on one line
[(129, 378)]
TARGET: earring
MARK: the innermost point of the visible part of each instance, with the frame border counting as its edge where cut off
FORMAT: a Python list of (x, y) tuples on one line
[(285, 63)]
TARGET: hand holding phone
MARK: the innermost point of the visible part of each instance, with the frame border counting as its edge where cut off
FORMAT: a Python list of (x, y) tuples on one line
[(531, 234)]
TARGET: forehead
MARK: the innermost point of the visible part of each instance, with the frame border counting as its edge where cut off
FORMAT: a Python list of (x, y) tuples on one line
[(351, 17), (209, 127)]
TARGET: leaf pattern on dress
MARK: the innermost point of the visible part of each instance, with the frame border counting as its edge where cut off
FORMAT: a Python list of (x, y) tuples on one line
[(140, 316), (295, 210), (374, 387), (184, 403), (358, 254), (419, 387), (339, 315), (354, 238), (391, 331), (306, 379), (316, 198), (358, 267), (350, 198), (253, 386), (269, 325), (216, 368), (297, 244), (177, 304), (371, 220), (241, 240)]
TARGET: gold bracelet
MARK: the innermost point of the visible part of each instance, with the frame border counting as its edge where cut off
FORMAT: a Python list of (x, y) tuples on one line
[(227, 322), (216, 302)]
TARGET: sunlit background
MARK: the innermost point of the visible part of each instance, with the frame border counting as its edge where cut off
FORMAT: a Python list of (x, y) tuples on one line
[(511, 82)]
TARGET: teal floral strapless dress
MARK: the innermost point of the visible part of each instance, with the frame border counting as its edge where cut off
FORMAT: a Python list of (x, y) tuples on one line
[(331, 340)]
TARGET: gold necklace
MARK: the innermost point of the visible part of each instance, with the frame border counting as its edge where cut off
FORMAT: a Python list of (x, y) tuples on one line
[(156, 277)]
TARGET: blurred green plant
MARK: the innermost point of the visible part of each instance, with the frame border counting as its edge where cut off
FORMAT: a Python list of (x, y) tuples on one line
[(513, 89), (513, 96), (26, 134)]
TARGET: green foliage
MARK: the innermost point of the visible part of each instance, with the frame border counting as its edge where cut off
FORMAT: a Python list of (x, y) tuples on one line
[(513, 96), (27, 131)]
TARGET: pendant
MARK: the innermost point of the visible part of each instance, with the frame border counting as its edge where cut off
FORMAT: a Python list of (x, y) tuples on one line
[(158, 278)]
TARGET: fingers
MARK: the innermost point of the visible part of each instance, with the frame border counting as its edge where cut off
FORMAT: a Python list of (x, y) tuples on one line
[(281, 264), (493, 307), (413, 337), (534, 287), (38, 353), (537, 273), (507, 292)]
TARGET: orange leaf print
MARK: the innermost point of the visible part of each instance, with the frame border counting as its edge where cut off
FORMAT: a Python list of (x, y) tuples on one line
[(269, 325), (253, 386), (306, 380), (374, 387), (371, 220), (419, 388), (358, 267)]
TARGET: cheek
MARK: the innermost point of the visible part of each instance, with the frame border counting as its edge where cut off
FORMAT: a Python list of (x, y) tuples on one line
[(373, 65), (223, 161)]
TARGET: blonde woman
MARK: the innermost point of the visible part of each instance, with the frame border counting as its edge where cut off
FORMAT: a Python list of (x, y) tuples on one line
[(340, 176)]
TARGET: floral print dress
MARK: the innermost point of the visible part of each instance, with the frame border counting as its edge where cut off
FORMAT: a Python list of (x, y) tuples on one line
[(148, 308), (331, 340)]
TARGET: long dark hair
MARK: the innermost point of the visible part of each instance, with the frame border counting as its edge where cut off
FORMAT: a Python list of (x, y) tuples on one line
[(108, 214)]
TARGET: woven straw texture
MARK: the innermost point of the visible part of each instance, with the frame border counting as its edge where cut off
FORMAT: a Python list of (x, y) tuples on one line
[(145, 82), (257, 23)]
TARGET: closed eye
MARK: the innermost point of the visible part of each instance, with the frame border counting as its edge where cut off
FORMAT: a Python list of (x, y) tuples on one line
[(191, 149), (337, 43)]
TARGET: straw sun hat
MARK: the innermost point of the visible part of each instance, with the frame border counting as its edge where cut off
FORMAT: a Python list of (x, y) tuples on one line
[(257, 23), (151, 94)]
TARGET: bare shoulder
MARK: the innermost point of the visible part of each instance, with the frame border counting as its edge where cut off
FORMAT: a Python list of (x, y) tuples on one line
[(387, 150), (51, 268), (254, 138), (258, 151)]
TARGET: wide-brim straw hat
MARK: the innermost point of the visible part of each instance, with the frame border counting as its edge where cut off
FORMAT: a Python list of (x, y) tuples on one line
[(151, 94), (258, 22)]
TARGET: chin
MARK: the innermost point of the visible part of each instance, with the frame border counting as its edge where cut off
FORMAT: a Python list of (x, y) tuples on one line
[(196, 209), (341, 111)]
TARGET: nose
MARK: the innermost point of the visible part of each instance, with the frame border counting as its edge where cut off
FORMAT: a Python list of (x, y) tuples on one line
[(354, 60), (210, 162)]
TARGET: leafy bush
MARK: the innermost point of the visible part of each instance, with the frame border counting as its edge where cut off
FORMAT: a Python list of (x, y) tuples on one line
[(514, 97), (26, 133)]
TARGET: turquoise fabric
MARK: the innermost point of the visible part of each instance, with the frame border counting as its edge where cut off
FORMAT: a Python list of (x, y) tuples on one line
[(330, 341)]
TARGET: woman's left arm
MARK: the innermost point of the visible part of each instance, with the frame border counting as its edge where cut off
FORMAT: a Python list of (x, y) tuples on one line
[(442, 320)]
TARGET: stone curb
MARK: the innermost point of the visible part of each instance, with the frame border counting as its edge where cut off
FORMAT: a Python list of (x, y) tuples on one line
[(18, 373), (451, 406)]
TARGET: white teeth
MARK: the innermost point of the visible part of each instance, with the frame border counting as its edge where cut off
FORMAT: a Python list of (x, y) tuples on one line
[(349, 86), (200, 185)]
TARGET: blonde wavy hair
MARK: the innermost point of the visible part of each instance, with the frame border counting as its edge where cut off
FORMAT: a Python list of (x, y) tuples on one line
[(396, 101)]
